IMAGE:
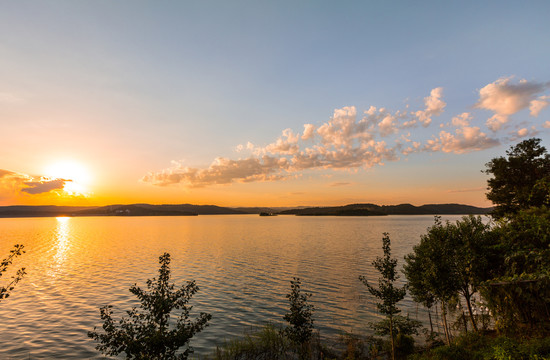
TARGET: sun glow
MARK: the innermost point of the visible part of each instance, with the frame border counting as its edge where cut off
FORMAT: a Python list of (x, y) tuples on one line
[(77, 177)]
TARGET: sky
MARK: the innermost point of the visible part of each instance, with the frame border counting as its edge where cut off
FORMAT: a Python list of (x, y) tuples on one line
[(266, 103)]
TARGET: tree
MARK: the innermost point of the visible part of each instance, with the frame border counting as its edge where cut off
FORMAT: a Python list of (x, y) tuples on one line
[(300, 317), (15, 252), (147, 333), (526, 168), (387, 292), (430, 270), (518, 288)]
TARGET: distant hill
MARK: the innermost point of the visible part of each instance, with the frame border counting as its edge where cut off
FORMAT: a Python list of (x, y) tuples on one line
[(40, 211), (189, 209), (114, 210), (132, 210), (377, 210)]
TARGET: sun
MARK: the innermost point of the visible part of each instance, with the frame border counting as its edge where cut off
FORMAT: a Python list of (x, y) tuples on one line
[(77, 176)]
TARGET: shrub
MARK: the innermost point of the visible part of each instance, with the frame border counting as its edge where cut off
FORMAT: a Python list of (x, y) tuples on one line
[(147, 334)]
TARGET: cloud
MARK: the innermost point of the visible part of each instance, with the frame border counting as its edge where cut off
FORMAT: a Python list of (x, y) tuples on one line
[(336, 184), (343, 129), (523, 132), (13, 183), (467, 190), (505, 98), (285, 144), (536, 106), (434, 107), (309, 131), (349, 141), (546, 124), (462, 120), (43, 186), (464, 140), (222, 171)]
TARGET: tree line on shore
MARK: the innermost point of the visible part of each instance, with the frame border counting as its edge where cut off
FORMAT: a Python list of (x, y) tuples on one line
[(505, 260)]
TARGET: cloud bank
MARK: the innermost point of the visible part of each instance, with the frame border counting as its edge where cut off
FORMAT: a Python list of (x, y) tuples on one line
[(352, 140), (12, 182)]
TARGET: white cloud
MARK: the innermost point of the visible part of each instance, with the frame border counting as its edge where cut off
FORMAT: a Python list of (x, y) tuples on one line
[(496, 122), (546, 125), (462, 120), (222, 171), (285, 144), (309, 132), (536, 106), (345, 142), (523, 132), (505, 98), (464, 140), (343, 129), (434, 107)]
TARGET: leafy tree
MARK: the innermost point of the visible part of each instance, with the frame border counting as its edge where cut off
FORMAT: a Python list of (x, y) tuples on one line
[(147, 333), (388, 294), (473, 256), (526, 168), (15, 252), (518, 289), (300, 317)]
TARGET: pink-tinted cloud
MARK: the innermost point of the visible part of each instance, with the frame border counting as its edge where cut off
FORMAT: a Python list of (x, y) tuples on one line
[(537, 105), (464, 140), (505, 98), (309, 131), (434, 107), (222, 171), (349, 142), (462, 120)]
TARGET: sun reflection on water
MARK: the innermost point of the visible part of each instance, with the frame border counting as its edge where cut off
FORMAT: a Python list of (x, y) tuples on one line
[(62, 243)]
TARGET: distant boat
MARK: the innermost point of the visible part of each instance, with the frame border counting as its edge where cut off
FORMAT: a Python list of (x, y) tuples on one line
[(267, 214)]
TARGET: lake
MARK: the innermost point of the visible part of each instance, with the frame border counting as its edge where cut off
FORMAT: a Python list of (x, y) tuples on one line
[(242, 264)]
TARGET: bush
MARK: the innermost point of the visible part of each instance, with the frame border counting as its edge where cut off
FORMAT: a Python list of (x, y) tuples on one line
[(147, 334), (5, 290)]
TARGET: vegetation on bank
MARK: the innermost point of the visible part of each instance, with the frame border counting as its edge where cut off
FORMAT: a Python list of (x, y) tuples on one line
[(506, 261)]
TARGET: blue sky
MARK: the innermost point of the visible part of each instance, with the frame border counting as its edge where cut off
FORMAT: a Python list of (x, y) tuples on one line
[(147, 95)]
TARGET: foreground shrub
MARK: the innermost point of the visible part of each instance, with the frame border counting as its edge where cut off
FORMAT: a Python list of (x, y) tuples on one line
[(300, 316), (147, 334), (486, 347), (267, 343), (386, 292), (5, 290)]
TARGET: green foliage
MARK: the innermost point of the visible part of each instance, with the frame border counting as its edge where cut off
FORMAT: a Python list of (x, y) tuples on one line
[(386, 291), (451, 260), (521, 180), (470, 346), (401, 324), (270, 343), (300, 317), (518, 291), (430, 268), (147, 333), (14, 253), (267, 343), (388, 294)]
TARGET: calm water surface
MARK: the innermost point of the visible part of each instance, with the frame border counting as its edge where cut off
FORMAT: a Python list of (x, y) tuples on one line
[(241, 263)]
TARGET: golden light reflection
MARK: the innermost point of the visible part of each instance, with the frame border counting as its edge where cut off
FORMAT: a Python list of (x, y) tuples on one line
[(62, 243)]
